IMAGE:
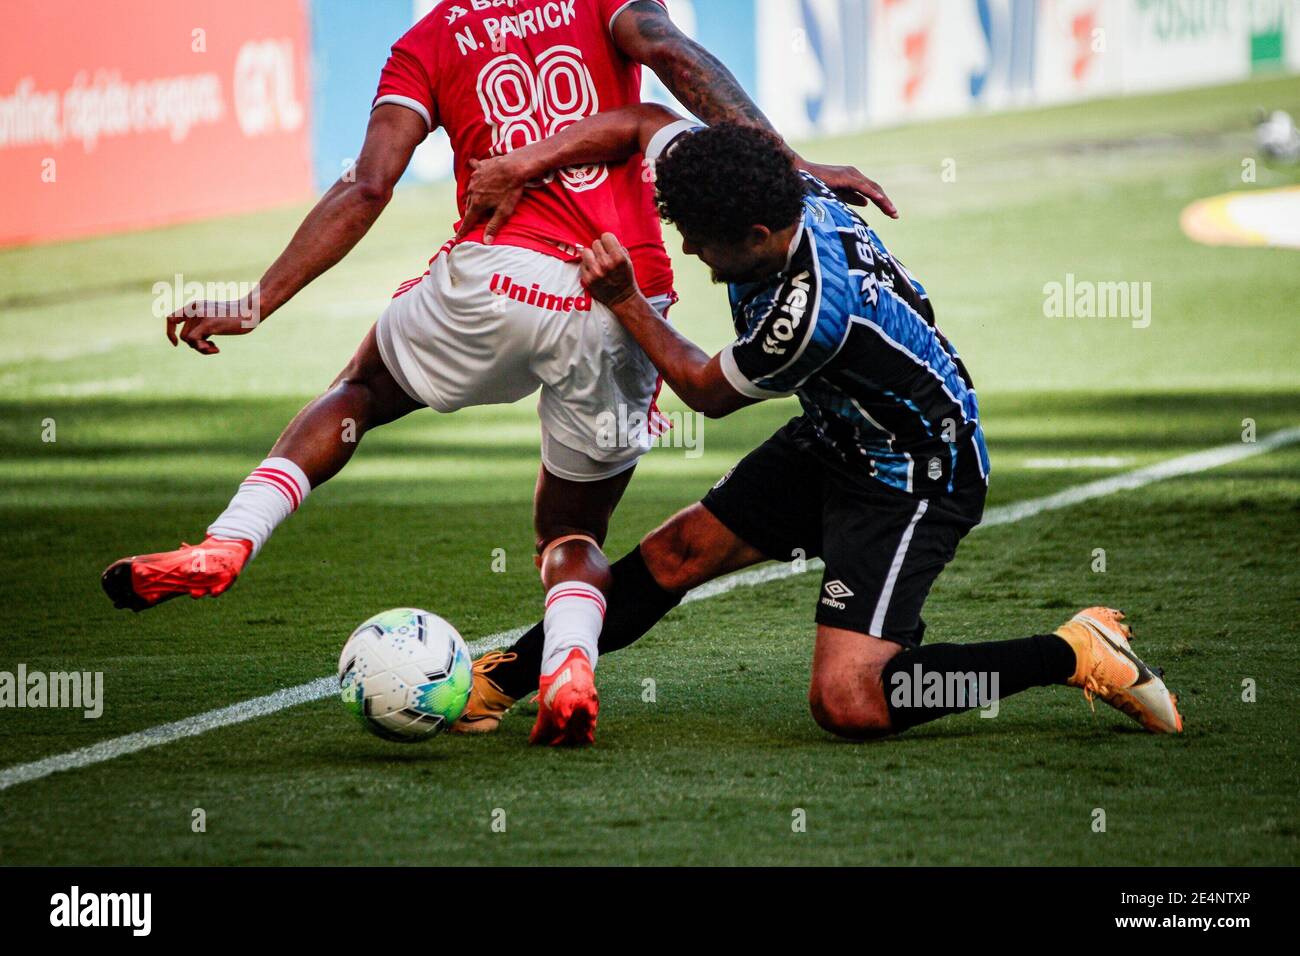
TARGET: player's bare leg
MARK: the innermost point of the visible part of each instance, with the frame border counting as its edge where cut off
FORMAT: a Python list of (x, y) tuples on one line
[(865, 687), (365, 393), (690, 548), (571, 519), (847, 692), (312, 449)]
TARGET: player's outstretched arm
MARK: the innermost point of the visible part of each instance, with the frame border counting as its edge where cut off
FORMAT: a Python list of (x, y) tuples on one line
[(497, 184), (645, 33), (335, 224), (696, 378)]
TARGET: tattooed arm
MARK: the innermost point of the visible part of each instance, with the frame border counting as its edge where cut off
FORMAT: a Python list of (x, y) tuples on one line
[(645, 33)]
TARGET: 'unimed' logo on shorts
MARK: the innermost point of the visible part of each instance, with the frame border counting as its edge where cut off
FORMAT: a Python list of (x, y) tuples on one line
[(532, 295)]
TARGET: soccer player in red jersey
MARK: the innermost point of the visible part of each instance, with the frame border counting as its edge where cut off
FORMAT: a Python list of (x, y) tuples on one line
[(501, 311)]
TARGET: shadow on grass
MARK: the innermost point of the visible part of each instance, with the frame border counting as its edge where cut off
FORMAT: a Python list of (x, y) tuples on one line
[(1111, 422)]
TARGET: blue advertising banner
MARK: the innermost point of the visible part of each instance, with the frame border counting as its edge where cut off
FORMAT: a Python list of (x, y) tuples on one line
[(350, 43)]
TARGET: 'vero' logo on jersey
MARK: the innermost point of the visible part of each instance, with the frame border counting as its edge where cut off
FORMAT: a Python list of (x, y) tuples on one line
[(789, 317)]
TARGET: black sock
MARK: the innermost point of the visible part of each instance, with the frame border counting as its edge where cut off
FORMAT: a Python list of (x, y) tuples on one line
[(635, 604), (925, 683)]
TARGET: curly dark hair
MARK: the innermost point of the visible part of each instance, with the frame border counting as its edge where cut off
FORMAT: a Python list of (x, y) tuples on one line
[(719, 182)]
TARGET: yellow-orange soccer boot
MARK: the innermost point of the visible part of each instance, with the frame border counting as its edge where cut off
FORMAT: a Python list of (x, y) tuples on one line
[(1108, 668), (488, 703), (201, 570), (567, 704)]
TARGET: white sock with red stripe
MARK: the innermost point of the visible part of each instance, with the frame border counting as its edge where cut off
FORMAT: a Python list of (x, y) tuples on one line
[(270, 494), (575, 612)]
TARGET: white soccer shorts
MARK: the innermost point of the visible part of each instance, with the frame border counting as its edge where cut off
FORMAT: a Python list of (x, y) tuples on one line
[(490, 325)]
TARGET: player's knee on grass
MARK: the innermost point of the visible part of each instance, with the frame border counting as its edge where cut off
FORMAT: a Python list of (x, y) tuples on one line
[(847, 695), (850, 709)]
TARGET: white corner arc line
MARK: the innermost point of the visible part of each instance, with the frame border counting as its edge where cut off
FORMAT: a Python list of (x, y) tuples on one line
[(323, 687)]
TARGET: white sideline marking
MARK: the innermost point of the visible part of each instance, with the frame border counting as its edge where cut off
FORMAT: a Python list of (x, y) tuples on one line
[(326, 686), (1058, 464)]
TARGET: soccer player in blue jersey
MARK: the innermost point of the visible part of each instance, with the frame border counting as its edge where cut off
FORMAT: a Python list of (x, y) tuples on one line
[(881, 475)]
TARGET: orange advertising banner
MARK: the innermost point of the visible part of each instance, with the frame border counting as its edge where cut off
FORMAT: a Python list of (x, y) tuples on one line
[(138, 113)]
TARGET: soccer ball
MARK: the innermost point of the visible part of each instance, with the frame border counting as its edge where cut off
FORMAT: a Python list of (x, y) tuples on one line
[(405, 674)]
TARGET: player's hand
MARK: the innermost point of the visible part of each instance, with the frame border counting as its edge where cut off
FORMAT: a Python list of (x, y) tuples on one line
[(199, 321), (852, 186), (607, 271), (494, 189)]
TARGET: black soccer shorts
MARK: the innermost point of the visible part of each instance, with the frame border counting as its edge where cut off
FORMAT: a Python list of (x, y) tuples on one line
[(883, 548)]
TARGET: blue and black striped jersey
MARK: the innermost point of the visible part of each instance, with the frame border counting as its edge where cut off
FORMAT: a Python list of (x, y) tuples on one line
[(848, 330)]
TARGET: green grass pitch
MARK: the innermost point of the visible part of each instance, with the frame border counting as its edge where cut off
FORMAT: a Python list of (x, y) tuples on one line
[(151, 442)]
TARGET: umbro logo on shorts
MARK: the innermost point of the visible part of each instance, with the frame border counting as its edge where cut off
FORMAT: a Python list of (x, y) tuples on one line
[(835, 590), (532, 295), (838, 589)]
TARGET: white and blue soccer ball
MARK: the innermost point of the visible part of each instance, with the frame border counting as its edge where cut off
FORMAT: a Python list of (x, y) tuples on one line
[(405, 674)]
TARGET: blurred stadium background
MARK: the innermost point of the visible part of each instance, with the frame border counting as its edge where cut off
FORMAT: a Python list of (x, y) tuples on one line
[(145, 144), (148, 113)]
